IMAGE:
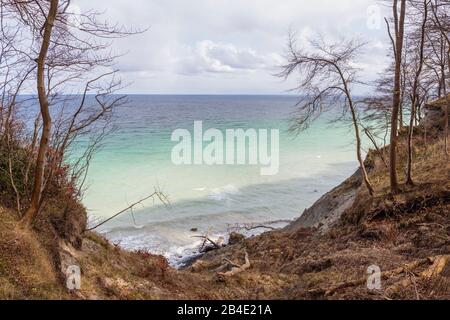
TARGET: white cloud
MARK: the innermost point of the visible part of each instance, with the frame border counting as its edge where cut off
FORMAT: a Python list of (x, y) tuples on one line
[(225, 46), (208, 56)]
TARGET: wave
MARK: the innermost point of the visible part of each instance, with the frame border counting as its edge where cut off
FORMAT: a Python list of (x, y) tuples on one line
[(223, 193), (168, 231), (179, 253)]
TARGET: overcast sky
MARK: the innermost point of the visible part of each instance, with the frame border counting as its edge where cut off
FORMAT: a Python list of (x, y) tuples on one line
[(231, 46)]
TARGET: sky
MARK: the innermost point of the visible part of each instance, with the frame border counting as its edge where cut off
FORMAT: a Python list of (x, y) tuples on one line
[(232, 46)]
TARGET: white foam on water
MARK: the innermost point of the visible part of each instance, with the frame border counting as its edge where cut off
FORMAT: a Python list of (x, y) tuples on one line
[(223, 193), (167, 231)]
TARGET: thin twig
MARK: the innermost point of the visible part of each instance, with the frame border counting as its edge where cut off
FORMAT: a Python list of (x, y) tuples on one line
[(158, 194)]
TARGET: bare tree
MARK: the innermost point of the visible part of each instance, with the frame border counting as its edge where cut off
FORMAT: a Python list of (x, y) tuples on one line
[(418, 60), (73, 51), (36, 194), (397, 43), (15, 69), (441, 22), (326, 75)]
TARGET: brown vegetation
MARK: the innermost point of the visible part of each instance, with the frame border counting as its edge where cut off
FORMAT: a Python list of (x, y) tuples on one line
[(376, 217), (407, 236)]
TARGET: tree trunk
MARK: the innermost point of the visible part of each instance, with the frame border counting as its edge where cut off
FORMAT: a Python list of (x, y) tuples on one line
[(399, 35), (36, 195), (409, 179), (358, 153), (447, 100), (357, 134), (447, 39)]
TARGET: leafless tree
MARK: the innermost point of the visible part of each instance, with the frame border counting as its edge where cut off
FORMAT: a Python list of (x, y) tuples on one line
[(15, 69), (326, 77), (397, 43), (70, 50), (418, 62), (441, 20)]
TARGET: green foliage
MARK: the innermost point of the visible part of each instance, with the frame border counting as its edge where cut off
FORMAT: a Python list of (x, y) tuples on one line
[(18, 157)]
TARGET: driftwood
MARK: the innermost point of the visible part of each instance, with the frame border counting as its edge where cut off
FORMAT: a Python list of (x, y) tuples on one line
[(235, 268), (249, 228), (438, 265), (206, 239)]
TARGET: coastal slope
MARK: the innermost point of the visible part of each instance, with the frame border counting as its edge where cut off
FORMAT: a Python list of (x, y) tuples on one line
[(325, 254)]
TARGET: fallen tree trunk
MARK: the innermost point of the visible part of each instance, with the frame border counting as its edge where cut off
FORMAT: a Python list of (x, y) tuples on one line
[(438, 265), (235, 268)]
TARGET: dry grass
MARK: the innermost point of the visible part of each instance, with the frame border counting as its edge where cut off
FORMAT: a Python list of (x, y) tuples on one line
[(384, 230), (26, 270)]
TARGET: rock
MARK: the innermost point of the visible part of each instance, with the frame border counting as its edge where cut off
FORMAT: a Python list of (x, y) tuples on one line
[(67, 259), (235, 238), (194, 229), (208, 248)]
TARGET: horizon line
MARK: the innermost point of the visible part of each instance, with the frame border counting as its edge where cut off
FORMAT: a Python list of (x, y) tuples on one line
[(180, 94)]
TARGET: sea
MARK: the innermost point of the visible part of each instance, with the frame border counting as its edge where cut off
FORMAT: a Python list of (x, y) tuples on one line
[(208, 200)]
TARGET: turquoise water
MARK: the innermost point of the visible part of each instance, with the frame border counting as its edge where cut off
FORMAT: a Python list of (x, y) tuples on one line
[(136, 158)]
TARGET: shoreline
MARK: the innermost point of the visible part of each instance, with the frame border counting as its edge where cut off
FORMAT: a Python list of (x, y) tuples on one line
[(299, 261), (191, 252), (321, 216), (144, 234), (187, 261)]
